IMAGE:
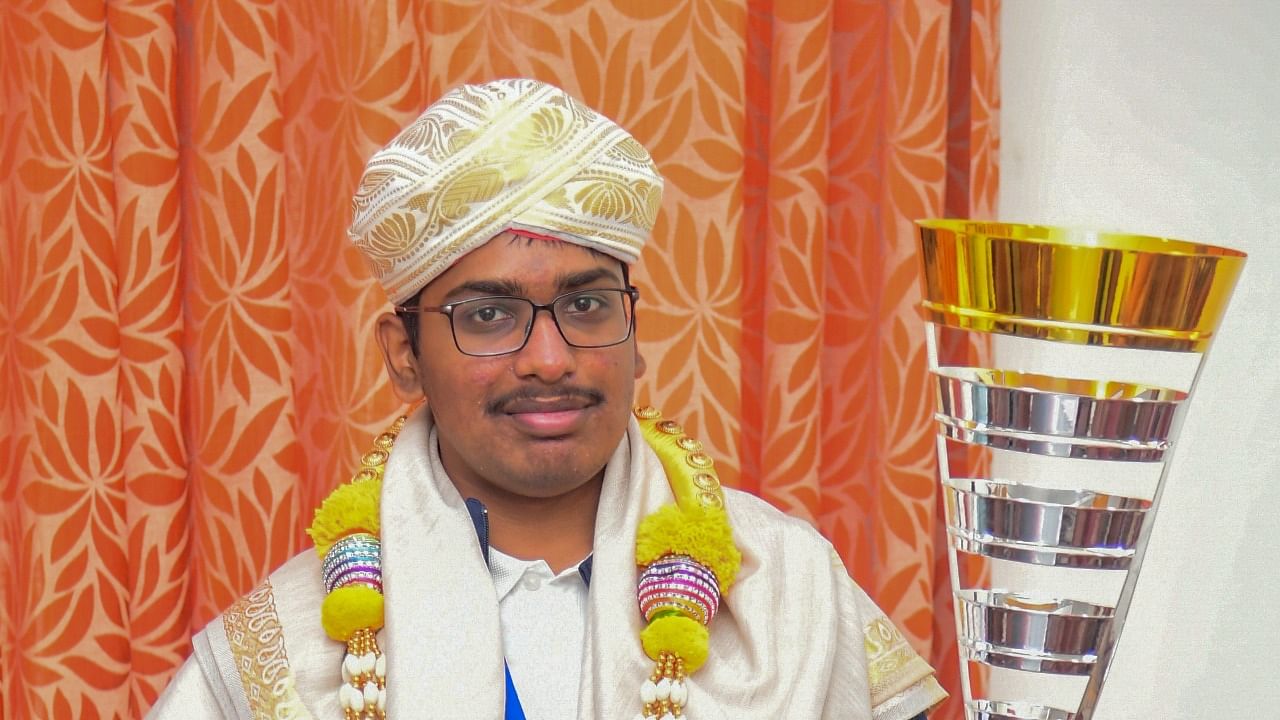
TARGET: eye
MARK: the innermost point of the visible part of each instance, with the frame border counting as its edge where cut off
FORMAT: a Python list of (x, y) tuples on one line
[(485, 315), (588, 303), (585, 304)]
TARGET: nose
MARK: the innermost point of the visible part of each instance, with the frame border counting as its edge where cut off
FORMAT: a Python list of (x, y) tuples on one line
[(546, 356)]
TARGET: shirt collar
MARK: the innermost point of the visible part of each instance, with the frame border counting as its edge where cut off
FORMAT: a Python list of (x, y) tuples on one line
[(507, 571)]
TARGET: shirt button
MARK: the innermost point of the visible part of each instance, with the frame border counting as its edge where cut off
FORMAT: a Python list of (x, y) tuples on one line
[(531, 582)]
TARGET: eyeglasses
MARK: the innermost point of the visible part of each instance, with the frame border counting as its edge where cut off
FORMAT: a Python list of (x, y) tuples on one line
[(502, 324)]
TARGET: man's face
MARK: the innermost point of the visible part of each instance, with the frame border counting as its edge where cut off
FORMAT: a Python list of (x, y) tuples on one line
[(541, 421)]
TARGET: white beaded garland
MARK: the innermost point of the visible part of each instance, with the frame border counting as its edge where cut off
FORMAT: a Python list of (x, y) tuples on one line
[(351, 697), (364, 678), (679, 693), (648, 692), (664, 694)]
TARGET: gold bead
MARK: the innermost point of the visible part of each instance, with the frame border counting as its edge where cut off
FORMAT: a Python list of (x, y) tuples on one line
[(699, 460), (710, 499), (647, 412), (689, 444), (706, 481), (374, 458), (670, 427), (385, 441)]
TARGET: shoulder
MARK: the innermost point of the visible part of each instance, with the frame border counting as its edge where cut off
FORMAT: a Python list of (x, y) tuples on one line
[(297, 590), (287, 601), (785, 559), (757, 523), (786, 563), (782, 556), (274, 632)]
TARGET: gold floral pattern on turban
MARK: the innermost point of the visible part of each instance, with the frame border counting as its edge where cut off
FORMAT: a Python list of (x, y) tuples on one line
[(508, 154)]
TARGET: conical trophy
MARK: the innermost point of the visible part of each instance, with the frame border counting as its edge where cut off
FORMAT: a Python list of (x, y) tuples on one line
[(1062, 363)]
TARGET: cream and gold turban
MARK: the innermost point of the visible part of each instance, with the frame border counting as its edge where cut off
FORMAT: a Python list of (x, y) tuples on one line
[(505, 155)]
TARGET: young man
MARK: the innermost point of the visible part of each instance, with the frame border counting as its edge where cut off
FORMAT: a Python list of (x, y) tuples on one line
[(498, 558)]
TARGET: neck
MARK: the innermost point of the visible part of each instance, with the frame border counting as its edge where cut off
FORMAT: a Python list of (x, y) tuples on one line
[(559, 530)]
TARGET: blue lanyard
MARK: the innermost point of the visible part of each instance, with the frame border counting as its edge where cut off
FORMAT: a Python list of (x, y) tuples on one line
[(514, 710)]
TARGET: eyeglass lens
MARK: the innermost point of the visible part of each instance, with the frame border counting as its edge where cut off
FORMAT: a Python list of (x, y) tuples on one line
[(496, 325)]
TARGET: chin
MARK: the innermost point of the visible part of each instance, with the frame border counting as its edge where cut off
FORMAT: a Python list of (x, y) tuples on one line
[(549, 477)]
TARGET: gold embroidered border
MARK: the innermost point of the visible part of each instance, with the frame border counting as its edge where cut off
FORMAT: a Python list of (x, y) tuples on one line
[(892, 665), (257, 646)]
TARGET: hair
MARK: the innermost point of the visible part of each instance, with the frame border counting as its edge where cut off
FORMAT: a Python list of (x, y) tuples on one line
[(410, 319)]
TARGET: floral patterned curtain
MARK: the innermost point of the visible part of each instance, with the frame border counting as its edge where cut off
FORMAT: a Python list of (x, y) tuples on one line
[(186, 362)]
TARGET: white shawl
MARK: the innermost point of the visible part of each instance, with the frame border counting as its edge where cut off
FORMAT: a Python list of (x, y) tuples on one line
[(795, 637)]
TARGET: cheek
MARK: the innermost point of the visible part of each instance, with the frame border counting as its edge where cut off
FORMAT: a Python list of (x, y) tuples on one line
[(617, 370), (463, 387), (476, 385)]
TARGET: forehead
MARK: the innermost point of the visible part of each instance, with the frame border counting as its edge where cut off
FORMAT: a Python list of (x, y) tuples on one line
[(525, 263)]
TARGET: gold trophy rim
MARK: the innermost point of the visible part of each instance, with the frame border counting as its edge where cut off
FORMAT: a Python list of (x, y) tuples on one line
[(1074, 285), (1082, 237)]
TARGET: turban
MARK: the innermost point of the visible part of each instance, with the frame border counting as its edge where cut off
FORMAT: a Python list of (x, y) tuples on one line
[(504, 155)]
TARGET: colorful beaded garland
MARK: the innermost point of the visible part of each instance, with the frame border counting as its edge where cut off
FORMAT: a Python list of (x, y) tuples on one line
[(681, 584), (345, 533), (353, 560), (677, 546)]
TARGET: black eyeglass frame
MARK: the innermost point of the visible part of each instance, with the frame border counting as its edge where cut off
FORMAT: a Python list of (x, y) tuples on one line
[(631, 292)]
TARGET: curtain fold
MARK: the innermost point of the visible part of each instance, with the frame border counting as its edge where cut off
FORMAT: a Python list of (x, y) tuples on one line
[(186, 363)]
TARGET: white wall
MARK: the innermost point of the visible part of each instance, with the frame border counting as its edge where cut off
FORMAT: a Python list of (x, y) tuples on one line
[(1163, 118)]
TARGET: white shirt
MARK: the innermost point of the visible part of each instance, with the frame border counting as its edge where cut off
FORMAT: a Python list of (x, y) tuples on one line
[(544, 620)]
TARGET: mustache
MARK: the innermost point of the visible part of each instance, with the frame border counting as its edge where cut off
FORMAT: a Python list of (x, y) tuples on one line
[(588, 396)]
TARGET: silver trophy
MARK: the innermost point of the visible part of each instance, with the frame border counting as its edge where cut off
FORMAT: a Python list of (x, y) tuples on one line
[(1062, 362)]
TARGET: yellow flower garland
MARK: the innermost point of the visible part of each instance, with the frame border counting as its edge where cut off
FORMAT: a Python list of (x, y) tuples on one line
[(695, 529), (691, 536), (353, 613)]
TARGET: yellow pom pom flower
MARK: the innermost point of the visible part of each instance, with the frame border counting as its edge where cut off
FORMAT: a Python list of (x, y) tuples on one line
[(680, 636), (350, 508), (702, 533), (351, 608)]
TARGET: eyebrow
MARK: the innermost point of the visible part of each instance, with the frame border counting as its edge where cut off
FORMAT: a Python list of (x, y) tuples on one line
[(586, 277), (566, 283), (486, 287)]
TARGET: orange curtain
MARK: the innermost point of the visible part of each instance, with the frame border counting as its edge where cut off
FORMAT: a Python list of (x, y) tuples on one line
[(185, 355)]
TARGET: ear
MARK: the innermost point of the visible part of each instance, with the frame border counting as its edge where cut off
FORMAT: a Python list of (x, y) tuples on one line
[(397, 355), (640, 364)]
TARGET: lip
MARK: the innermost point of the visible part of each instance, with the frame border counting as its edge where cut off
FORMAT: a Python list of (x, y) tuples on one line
[(550, 424), (550, 418)]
